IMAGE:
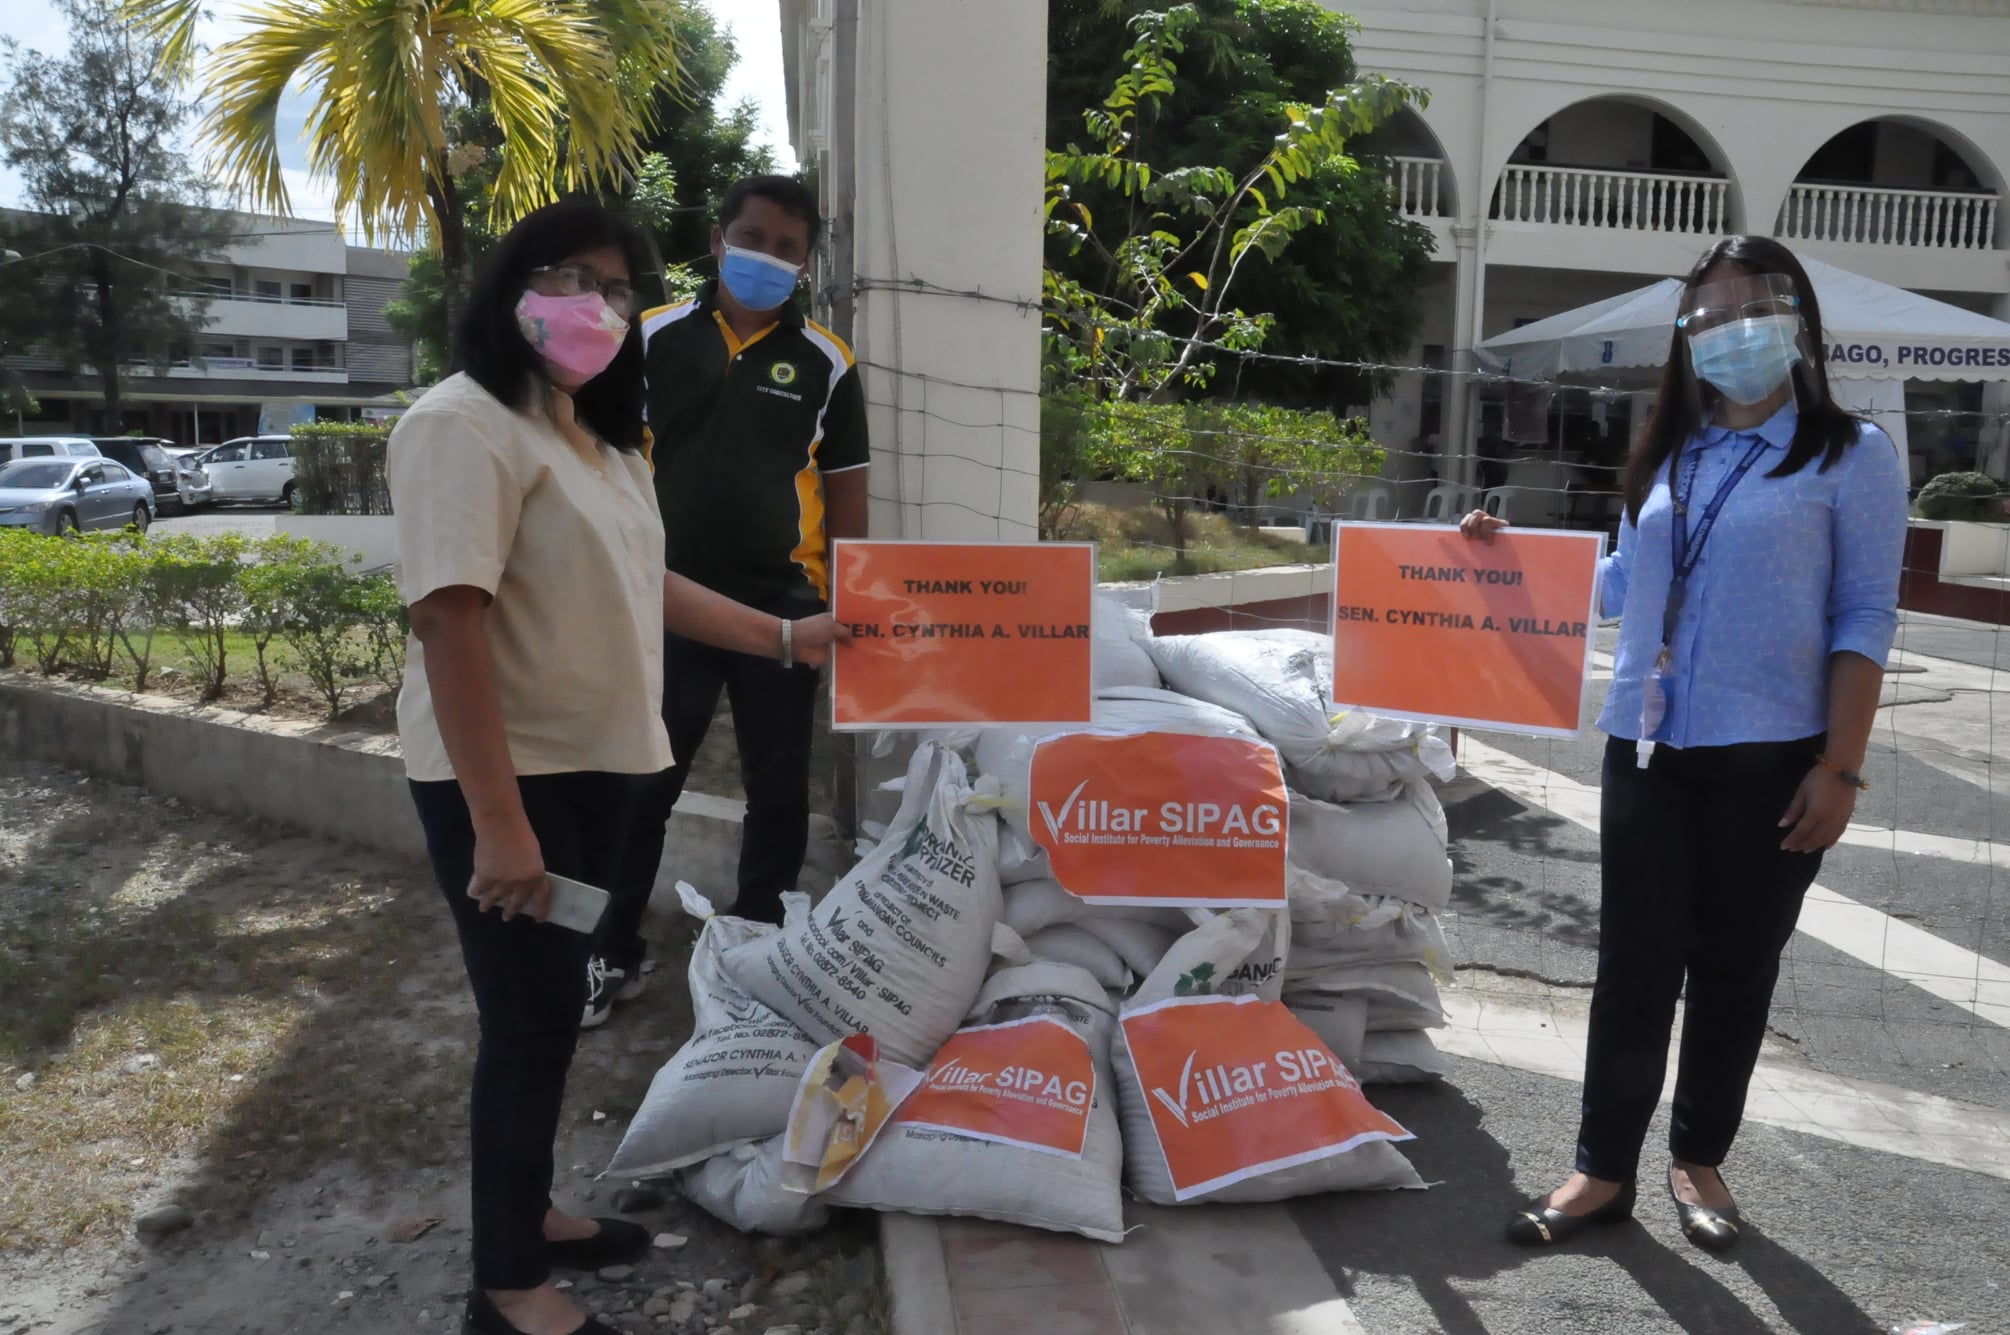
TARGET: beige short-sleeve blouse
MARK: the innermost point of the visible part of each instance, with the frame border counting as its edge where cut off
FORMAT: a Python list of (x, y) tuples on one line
[(572, 557)]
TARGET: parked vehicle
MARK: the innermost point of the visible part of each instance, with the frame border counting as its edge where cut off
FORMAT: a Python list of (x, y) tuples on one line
[(67, 495), (46, 447), (178, 484), (252, 468)]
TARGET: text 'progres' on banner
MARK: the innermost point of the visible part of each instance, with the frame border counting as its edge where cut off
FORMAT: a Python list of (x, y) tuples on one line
[(1430, 625), (1026, 1082), (1161, 818), (945, 634)]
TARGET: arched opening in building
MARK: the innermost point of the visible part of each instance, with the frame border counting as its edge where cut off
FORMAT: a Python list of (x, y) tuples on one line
[(1418, 170), (1618, 162), (1895, 181)]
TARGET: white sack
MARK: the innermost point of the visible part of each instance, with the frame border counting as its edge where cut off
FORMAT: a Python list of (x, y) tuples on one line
[(1120, 658), (1140, 945), (1401, 1057), (1239, 954), (899, 948), (1332, 928), (1377, 848), (1034, 906), (1340, 1022), (1281, 681), (922, 1170), (743, 1188), (734, 1080), (1068, 944), (1399, 996)]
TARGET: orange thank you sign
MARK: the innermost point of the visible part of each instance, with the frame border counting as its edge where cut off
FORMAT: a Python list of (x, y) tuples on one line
[(1239, 1087), (1026, 1082), (1429, 625), (1162, 818), (953, 633)]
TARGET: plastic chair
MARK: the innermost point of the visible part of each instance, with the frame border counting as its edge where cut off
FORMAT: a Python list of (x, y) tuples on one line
[(1371, 503), (1495, 502), (1442, 503)]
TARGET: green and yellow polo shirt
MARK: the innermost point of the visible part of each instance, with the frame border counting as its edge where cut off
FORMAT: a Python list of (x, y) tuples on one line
[(741, 436)]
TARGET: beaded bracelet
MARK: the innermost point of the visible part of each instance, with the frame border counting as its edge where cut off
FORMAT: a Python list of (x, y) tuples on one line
[(1849, 777)]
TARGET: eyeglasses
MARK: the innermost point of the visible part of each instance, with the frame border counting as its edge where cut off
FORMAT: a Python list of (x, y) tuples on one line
[(576, 280), (1761, 308)]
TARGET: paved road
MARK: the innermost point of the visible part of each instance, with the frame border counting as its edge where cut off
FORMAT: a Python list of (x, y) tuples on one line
[(253, 521), (1842, 1239)]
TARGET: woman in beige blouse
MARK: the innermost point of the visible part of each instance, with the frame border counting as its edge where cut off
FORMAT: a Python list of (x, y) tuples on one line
[(531, 556)]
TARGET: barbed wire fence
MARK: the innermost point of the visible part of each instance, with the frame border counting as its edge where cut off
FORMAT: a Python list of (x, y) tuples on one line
[(1899, 973)]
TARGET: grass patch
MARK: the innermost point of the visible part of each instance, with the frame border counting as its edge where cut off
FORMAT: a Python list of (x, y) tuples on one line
[(1137, 544)]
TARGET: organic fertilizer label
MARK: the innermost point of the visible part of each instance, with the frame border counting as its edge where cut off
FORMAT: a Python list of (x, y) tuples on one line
[(1162, 818), (1027, 1082), (953, 633), (1238, 1087)]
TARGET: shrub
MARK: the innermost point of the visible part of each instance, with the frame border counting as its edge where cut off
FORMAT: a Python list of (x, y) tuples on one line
[(1975, 497), (338, 468)]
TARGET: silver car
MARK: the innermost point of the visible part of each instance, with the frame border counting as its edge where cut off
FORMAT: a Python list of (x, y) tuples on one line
[(64, 495)]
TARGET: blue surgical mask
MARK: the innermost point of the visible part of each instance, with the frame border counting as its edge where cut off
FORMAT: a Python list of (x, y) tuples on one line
[(757, 281), (1747, 360)]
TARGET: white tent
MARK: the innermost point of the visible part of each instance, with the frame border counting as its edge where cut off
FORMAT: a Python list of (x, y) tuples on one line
[(1879, 336)]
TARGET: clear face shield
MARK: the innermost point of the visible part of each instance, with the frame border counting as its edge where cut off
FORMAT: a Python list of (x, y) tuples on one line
[(1744, 335)]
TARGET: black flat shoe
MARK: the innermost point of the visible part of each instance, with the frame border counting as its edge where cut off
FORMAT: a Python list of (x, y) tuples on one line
[(617, 1241), (1712, 1230), (1540, 1226), (482, 1318)]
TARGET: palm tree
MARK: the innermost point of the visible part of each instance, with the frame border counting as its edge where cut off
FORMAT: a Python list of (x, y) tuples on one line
[(570, 84)]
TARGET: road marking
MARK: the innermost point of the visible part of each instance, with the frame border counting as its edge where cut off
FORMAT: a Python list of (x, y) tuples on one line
[(1977, 852), (1551, 1040), (1968, 980)]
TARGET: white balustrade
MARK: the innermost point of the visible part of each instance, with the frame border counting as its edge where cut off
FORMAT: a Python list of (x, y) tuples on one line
[(1867, 216), (1630, 201), (1419, 186)]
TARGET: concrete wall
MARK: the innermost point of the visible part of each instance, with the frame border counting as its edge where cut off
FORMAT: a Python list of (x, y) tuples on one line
[(320, 781), (943, 239)]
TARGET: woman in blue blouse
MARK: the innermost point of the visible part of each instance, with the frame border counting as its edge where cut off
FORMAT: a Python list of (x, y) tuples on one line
[(1756, 583)]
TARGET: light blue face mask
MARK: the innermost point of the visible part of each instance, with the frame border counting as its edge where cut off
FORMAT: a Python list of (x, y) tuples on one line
[(1747, 360), (757, 281)]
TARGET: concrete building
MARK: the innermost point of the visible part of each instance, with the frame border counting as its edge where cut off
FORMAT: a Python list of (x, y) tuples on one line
[(295, 330), (1576, 149), (1571, 150)]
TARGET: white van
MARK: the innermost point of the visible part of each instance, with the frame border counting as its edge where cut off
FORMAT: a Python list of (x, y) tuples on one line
[(46, 447)]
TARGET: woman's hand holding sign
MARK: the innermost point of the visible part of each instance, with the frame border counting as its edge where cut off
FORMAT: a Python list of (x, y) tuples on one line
[(814, 639), (1481, 526)]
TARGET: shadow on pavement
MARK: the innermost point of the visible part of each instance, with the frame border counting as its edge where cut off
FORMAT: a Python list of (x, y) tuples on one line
[(1445, 1246)]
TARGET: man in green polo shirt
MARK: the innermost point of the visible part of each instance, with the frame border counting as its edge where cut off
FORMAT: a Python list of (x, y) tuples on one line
[(758, 431)]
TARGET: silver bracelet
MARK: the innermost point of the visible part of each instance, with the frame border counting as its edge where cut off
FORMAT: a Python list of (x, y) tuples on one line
[(788, 643)]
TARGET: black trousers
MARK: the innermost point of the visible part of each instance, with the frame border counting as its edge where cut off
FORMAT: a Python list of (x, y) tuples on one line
[(530, 989), (774, 717), (1694, 887)]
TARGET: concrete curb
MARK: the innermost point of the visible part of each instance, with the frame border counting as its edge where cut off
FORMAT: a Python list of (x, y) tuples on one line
[(917, 1274), (315, 778)]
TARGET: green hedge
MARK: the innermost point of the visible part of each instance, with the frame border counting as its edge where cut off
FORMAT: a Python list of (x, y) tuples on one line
[(338, 468), (101, 606), (1971, 496)]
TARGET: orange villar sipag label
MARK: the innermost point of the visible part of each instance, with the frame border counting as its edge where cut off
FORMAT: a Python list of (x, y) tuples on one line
[(1162, 818), (1239, 1087), (1025, 1082)]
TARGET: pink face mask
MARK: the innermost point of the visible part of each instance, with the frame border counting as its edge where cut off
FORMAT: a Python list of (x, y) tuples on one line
[(578, 335)]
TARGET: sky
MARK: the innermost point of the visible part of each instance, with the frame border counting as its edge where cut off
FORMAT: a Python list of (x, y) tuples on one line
[(755, 24)]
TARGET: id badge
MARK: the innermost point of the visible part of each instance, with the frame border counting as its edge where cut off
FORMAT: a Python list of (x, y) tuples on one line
[(1657, 700)]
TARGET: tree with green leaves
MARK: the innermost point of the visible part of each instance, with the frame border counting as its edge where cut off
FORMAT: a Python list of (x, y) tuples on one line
[(696, 151), (570, 85), (116, 214), (1218, 199)]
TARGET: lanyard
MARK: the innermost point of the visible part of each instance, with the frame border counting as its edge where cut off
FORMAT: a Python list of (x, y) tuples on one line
[(1687, 548)]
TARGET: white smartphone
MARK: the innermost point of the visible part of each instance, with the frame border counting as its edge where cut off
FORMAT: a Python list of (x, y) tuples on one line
[(575, 905)]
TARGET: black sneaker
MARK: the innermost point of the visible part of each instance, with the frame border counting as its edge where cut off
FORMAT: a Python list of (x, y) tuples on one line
[(603, 984)]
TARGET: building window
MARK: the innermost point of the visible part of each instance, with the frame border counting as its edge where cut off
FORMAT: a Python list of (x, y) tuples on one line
[(303, 291), (304, 360), (223, 350), (267, 290), (271, 359), (208, 285)]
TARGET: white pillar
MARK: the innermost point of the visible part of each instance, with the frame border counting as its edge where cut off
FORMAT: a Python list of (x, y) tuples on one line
[(1456, 424), (1992, 442), (948, 233)]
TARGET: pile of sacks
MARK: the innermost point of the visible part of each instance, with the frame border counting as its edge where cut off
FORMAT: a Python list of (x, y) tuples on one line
[(1065, 1054)]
